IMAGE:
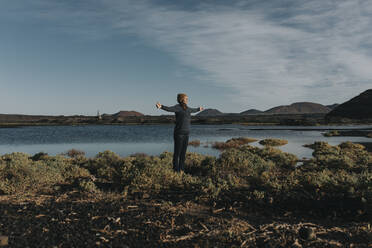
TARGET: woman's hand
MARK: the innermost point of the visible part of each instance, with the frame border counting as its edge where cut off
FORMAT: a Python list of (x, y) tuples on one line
[(158, 105)]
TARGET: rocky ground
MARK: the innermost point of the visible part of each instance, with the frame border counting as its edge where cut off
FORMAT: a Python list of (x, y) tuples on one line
[(73, 219)]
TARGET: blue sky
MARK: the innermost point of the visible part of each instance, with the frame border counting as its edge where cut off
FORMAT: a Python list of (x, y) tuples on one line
[(78, 56)]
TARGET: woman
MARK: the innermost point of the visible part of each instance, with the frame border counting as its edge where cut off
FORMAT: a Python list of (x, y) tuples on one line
[(181, 130)]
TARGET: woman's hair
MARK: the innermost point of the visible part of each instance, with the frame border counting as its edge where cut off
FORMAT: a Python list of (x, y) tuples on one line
[(180, 98)]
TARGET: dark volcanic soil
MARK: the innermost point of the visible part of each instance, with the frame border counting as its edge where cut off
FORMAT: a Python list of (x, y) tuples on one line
[(72, 219)]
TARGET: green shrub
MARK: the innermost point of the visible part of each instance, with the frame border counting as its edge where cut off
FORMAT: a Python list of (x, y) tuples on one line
[(241, 163), (154, 174), (347, 155), (197, 164), (280, 159), (106, 165), (19, 172)]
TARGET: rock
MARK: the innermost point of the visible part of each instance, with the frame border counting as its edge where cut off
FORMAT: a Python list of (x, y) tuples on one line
[(307, 233), (3, 240)]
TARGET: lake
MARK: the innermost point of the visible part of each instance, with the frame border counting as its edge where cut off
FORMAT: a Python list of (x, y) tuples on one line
[(154, 139)]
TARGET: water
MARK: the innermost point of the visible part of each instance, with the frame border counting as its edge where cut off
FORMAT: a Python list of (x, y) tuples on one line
[(155, 139)]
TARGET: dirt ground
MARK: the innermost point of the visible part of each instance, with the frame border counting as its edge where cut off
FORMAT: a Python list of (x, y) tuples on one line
[(173, 219)]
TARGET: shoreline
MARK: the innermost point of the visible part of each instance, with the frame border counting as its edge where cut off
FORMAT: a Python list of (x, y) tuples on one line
[(18, 125), (246, 120)]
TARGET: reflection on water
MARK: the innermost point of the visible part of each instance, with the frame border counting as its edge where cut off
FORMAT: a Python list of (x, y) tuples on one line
[(154, 139)]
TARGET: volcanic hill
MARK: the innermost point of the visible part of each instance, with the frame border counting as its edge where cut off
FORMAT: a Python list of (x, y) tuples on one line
[(209, 112), (359, 107), (299, 108)]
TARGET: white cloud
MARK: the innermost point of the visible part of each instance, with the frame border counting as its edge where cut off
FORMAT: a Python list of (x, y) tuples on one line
[(318, 51)]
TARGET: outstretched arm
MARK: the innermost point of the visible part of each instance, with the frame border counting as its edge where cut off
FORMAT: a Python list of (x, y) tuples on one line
[(194, 110), (169, 109)]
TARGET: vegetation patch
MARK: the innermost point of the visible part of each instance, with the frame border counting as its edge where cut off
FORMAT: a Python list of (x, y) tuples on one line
[(195, 143), (20, 172), (273, 142), (154, 204), (233, 143), (332, 133)]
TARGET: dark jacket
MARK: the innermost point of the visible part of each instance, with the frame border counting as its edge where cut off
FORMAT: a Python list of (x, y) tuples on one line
[(183, 117)]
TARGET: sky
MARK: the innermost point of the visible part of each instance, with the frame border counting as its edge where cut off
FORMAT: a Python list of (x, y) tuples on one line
[(75, 57)]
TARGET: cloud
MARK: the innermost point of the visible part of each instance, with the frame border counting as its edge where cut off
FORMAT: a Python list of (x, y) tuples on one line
[(266, 58), (313, 50)]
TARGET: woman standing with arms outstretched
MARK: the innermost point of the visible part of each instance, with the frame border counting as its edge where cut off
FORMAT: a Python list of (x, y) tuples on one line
[(181, 130)]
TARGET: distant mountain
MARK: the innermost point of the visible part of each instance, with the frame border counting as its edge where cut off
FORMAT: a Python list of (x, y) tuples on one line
[(359, 107), (251, 112), (127, 113), (209, 112), (299, 108), (332, 106)]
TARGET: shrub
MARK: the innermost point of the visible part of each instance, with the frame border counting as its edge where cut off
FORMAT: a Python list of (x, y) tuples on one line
[(199, 165), (347, 155), (106, 165), (153, 174), (279, 158), (74, 153), (19, 173), (240, 163)]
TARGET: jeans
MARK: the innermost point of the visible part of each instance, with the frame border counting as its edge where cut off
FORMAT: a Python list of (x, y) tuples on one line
[(180, 146)]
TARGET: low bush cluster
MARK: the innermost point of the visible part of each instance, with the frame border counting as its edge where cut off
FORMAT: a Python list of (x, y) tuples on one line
[(20, 172), (337, 174)]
